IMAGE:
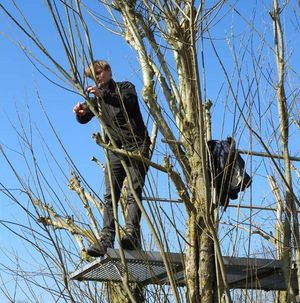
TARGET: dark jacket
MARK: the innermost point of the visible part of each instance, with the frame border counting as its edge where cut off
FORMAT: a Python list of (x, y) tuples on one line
[(121, 114), (228, 170)]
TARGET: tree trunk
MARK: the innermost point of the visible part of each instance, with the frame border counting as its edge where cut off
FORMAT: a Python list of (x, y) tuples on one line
[(200, 272), (291, 215)]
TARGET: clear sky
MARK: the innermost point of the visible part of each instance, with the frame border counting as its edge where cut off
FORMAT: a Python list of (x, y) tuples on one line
[(22, 83)]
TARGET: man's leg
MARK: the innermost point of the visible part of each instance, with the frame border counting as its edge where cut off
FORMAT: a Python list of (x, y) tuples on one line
[(108, 231), (118, 175), (131, 240)]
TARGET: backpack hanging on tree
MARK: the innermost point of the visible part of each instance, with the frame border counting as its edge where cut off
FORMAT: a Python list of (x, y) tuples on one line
[(227, 170)]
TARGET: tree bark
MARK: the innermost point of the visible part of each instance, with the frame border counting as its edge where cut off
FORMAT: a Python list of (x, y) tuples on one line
[(290, 224)]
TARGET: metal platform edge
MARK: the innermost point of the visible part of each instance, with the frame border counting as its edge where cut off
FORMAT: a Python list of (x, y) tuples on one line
[(241, 271), (114, 254)]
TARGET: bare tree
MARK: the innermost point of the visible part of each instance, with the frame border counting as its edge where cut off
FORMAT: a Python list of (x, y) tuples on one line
[(291, 222), (167, 37)]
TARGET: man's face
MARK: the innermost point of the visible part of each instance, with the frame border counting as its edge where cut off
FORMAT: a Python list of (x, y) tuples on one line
[(102, 77)]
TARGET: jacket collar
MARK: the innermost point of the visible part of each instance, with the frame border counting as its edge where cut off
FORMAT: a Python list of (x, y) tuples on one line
[(111, 85)]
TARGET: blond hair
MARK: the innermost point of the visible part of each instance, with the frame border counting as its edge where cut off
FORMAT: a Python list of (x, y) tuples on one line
[(97, 64)]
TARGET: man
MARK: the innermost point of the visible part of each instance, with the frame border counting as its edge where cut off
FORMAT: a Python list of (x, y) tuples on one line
[(117, 104)]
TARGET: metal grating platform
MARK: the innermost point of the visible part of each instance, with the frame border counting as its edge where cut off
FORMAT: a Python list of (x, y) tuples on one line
[(143, 267), (148, 268), (252, 273)]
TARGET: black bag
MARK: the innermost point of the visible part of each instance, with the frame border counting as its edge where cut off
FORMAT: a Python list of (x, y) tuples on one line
[(227, 170)]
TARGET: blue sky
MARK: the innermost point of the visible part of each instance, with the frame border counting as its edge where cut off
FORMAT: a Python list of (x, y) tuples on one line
[(20, 82)]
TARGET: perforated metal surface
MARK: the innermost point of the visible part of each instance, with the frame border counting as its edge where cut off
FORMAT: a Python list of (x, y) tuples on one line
[(148, 268), (143, 267)]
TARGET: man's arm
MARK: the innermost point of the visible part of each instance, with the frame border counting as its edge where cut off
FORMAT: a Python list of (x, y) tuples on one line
[(125, 93), (83, 114)]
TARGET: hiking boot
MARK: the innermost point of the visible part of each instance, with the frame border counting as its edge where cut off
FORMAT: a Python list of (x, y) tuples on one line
[(100, 247), (131, 240)]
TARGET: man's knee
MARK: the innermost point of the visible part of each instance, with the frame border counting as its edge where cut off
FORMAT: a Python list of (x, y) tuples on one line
[(131, 196)]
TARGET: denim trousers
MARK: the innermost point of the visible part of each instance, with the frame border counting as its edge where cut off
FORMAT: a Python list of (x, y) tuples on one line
[(138, 171)]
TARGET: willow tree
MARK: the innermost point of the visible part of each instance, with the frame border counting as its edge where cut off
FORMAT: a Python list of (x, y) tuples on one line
[(177, 26), (166, 36)]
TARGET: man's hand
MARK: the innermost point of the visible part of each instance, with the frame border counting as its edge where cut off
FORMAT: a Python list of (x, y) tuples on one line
[(98, 92), (80, 109)]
